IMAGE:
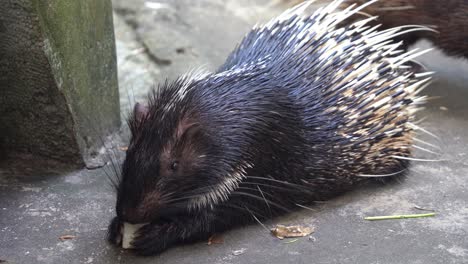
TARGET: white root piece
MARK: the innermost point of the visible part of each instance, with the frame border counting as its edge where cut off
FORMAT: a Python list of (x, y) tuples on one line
[(129, 232)]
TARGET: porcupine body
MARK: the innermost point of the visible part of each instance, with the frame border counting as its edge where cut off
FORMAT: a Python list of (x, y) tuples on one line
[(448, 18), (302, 110)]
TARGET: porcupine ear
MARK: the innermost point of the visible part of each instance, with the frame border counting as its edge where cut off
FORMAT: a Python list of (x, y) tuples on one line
[(140, 113)]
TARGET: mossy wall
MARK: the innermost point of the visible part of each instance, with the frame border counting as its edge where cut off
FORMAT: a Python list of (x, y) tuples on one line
[(58, 77)]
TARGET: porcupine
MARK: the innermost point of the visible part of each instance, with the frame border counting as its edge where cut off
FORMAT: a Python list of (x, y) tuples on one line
[(301, 111), (448, 18)]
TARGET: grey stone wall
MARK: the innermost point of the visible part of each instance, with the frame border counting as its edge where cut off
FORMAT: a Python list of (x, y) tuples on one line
[(58, 78)]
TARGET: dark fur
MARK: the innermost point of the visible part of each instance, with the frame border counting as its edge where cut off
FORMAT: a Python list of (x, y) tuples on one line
[(448, 17), (273, 115)]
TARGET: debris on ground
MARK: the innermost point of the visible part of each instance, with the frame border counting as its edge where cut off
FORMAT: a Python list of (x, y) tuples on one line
[(281, 231), (66, 237), (215, 239), (123, 148), (238, 252), (390, 217), (291, 241), (423, 209)]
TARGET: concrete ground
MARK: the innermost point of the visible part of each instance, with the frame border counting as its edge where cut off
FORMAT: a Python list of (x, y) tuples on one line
[(156, 40)]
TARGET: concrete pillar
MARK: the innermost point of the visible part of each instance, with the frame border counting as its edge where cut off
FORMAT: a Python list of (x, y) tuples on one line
[(58, 78)]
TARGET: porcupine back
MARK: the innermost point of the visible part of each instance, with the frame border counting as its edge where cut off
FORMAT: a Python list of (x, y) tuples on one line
[(358, 98)]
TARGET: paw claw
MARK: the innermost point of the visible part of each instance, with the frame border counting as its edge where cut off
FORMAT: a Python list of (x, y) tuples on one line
[(114, 234), (151, 240)]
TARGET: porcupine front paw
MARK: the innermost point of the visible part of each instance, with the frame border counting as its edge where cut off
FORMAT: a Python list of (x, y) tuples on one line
[(152, 239), (114, 234), (156, 237)]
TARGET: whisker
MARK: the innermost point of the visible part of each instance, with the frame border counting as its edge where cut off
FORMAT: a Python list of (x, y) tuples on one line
[(420, 120), (112, 180), (415, 159), (257, 190), (178, 199), (259, 198), (272, 186), (256, 219), (102, 142), (111, 160), (426, 143), (230, 205), (424, 149), (381, 175), (306, 207), (423, 130), (115, 158), (274, 180), (266, 201), (165, 197)]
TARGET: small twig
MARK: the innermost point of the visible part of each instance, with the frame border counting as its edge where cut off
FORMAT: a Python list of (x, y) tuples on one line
[(66, 237), (389, 217), (291, 241)]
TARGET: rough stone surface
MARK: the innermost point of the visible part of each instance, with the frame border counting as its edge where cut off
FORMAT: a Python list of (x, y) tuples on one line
[(59, 75), (80, 46), (30, 103), (36, 211)]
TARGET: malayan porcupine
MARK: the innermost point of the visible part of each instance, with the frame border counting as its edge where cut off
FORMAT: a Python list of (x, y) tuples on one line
[(302, 110)]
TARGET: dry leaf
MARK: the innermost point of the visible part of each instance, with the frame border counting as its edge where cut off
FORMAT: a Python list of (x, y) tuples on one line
[(123, 148), (66, 237), (281, 231), (215, 239)]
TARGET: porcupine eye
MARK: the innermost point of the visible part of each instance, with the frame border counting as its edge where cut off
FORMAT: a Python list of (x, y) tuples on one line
[(174, 165)]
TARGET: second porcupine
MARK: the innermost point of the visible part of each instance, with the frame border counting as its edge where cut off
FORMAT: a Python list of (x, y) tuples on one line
[(449, 18), (301, 111)]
